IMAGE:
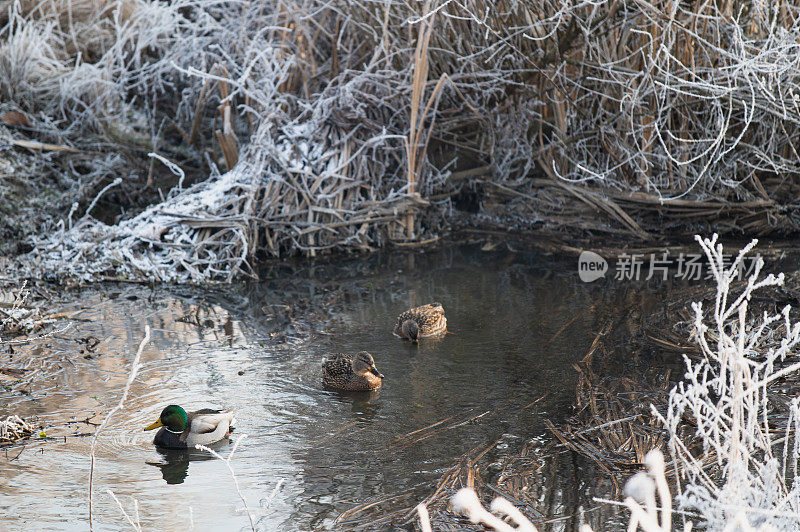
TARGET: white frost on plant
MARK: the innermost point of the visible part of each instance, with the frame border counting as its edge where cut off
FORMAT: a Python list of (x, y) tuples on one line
[(313, 175), (644, 491), (291, 188), (199, 234), (466, 503), (726, 394), (332, 82)]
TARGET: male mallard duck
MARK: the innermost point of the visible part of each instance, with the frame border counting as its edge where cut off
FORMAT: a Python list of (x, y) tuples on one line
[(180, 430), (351, 372), (419, 322)]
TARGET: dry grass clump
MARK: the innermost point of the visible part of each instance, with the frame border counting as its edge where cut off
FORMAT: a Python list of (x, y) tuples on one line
[(613, 425)]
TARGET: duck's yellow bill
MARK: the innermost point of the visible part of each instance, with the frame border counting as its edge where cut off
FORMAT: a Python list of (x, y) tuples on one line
[(153, 426)]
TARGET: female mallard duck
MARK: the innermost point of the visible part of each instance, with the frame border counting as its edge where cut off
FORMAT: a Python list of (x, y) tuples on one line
[(351, 372), (180, 430), (419, 322)]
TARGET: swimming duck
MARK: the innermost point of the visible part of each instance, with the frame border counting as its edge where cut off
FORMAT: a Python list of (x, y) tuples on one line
[(351, 372), (419, 322), (180, 430)]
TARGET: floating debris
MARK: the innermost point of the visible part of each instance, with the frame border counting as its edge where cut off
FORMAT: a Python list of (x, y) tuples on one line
[(13, 428), (19, 315)]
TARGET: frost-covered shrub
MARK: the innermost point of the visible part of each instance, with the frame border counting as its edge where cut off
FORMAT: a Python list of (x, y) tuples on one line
[(726, 395)]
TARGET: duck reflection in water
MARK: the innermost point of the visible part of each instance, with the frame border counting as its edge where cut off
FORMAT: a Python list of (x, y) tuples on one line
[(174, 464), (363, 405)]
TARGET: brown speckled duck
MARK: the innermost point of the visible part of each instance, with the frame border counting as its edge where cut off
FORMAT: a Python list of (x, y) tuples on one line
[(351, 372), (420, 322)]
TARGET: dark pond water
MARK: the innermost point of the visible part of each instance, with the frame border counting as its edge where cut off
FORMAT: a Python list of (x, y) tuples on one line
[(495, 379)]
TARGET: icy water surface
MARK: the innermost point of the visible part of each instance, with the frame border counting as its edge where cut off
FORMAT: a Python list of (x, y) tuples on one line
[(247, 348)]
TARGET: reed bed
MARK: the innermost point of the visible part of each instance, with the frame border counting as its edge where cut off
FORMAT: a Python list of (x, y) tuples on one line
[(613, 425), (188, 139)]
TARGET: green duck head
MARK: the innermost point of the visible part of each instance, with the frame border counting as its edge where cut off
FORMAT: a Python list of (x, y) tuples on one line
[(364, 363), (173, 417)]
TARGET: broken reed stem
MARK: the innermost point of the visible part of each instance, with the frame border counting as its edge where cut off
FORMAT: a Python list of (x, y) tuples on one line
[(136, 525), (226, 136), (424, 518), (413, 152), (131, 378), (14, 428)]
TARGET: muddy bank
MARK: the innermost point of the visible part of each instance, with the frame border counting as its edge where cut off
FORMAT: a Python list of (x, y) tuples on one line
[(184, 143)]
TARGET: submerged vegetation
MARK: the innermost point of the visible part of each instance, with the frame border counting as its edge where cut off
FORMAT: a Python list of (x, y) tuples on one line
[(185, 140)]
